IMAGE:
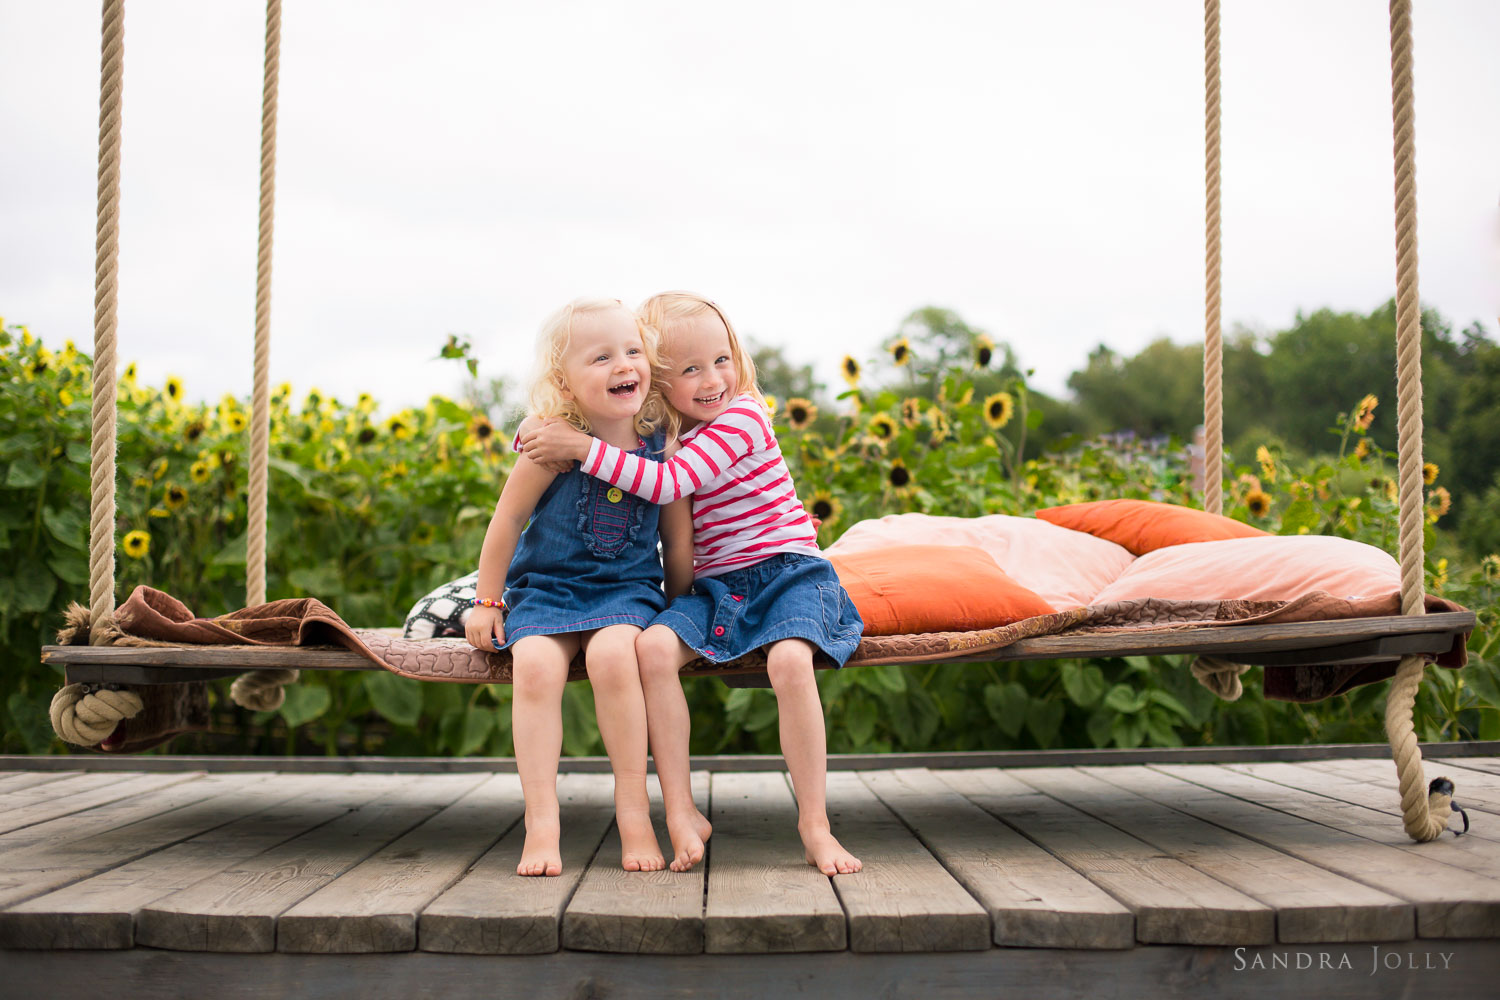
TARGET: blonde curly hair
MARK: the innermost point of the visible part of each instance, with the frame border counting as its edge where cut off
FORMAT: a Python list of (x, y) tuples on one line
[(660, 312), (550, 381)]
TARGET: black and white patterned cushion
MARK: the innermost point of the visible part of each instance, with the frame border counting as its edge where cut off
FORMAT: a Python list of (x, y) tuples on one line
[(444, 611)]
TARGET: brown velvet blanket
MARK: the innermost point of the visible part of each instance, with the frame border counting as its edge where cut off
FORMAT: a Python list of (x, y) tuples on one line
[(158, 617)]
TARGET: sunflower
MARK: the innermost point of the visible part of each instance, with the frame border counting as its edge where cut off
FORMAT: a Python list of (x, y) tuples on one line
[(941, 429), (200, 472), (1267, 463), (481, 430), (1489, 566), (900, 477), (1259, 503), (1364, 413), (825, 507), (173, 389), (194, 430), (1442, 502), (1391, 492), (65, 397), (176, 496), (1362, 449), (901, 352), (314, 399), (849, 368), (226, 458), (424, 535), (365, 402), (998, 409), (911, 411), (137, 544), (234, 422), (399, 428), (366, 434), (772, 405), (141, 482), (158, 468), (800, 412), (129, 375), (984, 351), (1429, 472), (158, 512), (883, 427)]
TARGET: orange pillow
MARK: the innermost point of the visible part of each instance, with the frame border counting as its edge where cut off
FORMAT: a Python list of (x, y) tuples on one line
[(905, 589), (1144, 525)]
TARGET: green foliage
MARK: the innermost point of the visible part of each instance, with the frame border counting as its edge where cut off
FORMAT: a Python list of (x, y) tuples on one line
[(368, 514)]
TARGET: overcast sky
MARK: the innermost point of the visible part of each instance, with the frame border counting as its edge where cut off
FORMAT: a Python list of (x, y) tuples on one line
[(818, 168)]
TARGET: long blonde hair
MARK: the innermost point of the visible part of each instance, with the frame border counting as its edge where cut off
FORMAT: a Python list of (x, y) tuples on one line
[(667, 308), (549, 381)]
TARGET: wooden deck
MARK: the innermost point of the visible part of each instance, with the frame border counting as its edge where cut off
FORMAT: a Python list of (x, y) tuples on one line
[(1137, 868)]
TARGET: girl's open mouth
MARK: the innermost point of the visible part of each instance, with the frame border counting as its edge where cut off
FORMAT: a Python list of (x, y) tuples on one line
[(623, 389), (709, 400)]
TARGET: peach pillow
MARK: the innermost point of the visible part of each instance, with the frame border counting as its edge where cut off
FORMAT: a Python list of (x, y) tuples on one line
[(1144, 525), (1065, 568), (905, 589), (1269, 568)]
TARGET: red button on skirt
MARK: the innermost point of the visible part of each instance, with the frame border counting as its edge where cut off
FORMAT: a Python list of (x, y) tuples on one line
[(718, 630)]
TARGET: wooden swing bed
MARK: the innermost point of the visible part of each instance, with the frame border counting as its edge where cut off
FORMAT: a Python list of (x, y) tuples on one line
[(87, 709)]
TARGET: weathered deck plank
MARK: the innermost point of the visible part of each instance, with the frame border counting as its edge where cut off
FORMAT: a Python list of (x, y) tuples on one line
[(659, 913), (14, 781), (493, 911), (238, 909), (1311, 903), (904, 899), (253, 814), (1377, 789), (89, 791), (1490, 765), (1034, 900), (1450, 901), (762, 896), (373, 906), (1173, 903)]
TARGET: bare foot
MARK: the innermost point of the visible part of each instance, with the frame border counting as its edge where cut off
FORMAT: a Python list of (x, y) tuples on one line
[(688, 831), (540, 854), (639, 851), (825, 853)]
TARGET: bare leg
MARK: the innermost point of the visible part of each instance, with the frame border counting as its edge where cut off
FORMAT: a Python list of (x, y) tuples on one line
[(621, 710), (805, 747), (661, 655), (540, 670)]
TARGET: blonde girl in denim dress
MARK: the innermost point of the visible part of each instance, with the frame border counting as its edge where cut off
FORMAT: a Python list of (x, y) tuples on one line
[(570, 563), (760, 581)]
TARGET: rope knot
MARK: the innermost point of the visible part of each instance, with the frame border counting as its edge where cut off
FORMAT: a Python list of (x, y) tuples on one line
[(1220, 676), (87, 715), (262, 690)]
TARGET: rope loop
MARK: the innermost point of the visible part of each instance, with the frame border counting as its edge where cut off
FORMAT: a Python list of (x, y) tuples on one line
[(1222, 677), (87, 715), (262, 690)]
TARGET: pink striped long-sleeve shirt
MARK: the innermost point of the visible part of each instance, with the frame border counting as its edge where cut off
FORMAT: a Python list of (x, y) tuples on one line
[(745, 507)]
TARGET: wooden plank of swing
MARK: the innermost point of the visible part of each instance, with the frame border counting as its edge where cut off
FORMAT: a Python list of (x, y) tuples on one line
[(1383, 791), (657, 913), (1207, 639), (238, 909), (762, 897), (110, 788), (1034, 900), (373, 907), (1173, 902), (1364, 846), (82, 781), (1311, 903), (493, 911), (903, 900), (250, 814)]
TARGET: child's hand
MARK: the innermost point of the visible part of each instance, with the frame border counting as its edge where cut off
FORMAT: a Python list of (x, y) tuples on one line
[(556, 441), (485, 628)]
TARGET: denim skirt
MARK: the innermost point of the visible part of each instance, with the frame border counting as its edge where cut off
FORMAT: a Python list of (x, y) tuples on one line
[(786, 596)]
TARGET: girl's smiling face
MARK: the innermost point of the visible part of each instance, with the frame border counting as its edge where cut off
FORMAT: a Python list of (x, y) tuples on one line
[(704, 378), (605, 370)]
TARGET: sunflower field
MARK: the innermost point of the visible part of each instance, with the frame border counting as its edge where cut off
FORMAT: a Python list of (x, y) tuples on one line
[(368, 512)]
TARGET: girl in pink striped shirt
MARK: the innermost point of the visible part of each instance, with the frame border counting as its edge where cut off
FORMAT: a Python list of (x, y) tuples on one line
[(759, 579)]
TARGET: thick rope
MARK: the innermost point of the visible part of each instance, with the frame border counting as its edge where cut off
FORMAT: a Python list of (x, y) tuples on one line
[(1423, 820), (261, 689), (83, 715), (106, 274), (1213, 341), (1222, 677)]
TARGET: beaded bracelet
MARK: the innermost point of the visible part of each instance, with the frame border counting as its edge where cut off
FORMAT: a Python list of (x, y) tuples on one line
[(485, 602)]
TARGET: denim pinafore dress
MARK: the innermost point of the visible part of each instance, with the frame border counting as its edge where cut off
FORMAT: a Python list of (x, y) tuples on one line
[(587, 559)]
